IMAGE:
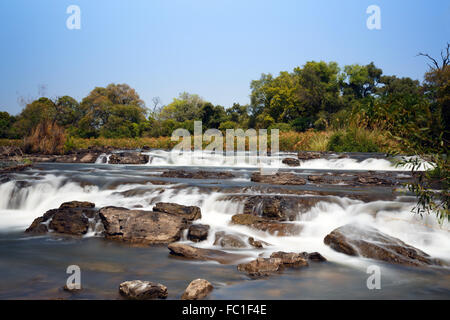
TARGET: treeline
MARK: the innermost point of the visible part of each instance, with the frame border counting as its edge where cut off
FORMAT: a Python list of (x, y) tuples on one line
[(317, 96)]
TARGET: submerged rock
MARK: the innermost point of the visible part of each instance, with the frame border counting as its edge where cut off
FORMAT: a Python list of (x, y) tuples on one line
[(308, 155), (198, 232), (282, 178), (314, 256), (188, 212), (197, 289), (368, 242), (128, 158), (261, 267), (227, 240), (257, 243), (142, 290), (141, 227), (270, 226), (190, 252), (197, 174), (70, 218)]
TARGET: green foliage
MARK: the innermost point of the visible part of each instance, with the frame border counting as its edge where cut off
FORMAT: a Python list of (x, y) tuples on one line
[(6, 126), (352, 140)]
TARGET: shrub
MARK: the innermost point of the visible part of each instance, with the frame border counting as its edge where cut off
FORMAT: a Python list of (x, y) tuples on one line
[(46, 138), (353, 140)]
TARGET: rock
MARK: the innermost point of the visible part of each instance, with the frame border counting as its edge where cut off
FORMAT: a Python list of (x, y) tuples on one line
[(15, 168), (10, 151), (292, 162), (188, 212), (314, 256), (368, 242), (141, 227), (196, 174), (89, 157), (316, 179), (128, 158), (198, 232), (142, 290), (371, 180), (189, 252), (305, 155), (291, 259), (257, 243), (70, 218), (229, 240), (281, 178), (273, 227), (261, 267), (197, 289)]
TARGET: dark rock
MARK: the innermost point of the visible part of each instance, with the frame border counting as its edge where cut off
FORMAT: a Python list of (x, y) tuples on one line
[(197, 289), (292, 162), (188, 212), (142, 290), (198, 232), (355, 240), (141, 227), (196, 174), (190, 252), (261, 267), (314, 256), (306, 155), (281, 178), (128, 158), (257, 243), (70, 218)]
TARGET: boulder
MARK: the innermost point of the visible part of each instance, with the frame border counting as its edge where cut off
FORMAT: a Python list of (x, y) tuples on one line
[(261, 267), (291, 259), (128, 158), (228, 241), (70, 218), (270, 226), (187, 212), (368, 242), (314, 256), (197, 289), (198, 232), (257, 243), (308, 155), (142, 290), (280, 178), (190, 252), (141, 227), (292, 162)]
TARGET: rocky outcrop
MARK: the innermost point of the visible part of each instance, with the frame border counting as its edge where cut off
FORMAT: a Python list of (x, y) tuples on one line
[(141, 227), (142, 290), (291, 259), (70, 218), (314, 256), (197, 289), (261, 267), (198, 232), (128, 158), (356, 240), (271, 226), (281, 178), (257, 243), (370, 179), (196, 174), (308, 155), (227, 241), (292, 162), (187, 212), (189, 252)]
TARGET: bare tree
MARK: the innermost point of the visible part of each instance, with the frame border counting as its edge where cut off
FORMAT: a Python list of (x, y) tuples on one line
[(156, 102), (445, 57)]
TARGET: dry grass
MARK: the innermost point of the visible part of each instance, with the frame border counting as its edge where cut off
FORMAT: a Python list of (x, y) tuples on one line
[(46, 138)]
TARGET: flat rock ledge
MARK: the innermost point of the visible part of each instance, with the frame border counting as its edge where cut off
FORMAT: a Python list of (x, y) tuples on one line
[(142, 290), (368, 242), (197, 289), (281, 178), (190, 252), (271, 226)]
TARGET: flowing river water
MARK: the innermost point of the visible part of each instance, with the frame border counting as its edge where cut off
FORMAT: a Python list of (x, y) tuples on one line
[(34, 267)]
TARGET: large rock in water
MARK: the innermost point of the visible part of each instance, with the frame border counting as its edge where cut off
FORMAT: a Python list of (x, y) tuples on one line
[(189, 252), (368, 242), (281, 178), (188, 212), (128, 158), (141, 227), (228, 241), (142, 290), (197, 289), (291, 259), (70, 218), (198, 232), (261, 267), (201, 174)]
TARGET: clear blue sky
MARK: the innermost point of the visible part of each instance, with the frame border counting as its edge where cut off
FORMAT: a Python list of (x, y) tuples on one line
[(209, 47)]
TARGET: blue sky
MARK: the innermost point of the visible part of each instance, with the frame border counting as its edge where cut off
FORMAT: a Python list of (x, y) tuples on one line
[(209, 47)]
